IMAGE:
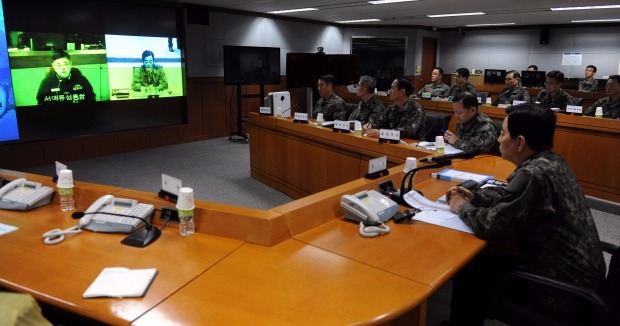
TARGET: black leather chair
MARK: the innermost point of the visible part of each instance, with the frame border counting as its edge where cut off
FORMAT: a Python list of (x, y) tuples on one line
[(499, 124), (435, 122), (578, 101), (348, 109), (604, 303), (483, 97)]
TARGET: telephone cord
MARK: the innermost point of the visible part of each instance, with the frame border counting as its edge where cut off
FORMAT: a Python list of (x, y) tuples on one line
[(373, 231), (57, 236)]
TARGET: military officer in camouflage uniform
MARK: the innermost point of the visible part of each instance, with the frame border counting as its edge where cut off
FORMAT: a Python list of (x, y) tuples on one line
[(590, 84), (435, 89), (553, 96), (513, 90), (462, 85), (473, 129), (611, 103), (330, 104), (543, 210), (370, 107), (404, 114)]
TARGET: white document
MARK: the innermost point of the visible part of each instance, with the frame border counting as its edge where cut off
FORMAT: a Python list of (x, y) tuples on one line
[(435, 213), (448, 149), (119, 282), (5, 228)]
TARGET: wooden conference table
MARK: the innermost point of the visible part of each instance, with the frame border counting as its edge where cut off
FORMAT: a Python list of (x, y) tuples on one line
[(299, 263)]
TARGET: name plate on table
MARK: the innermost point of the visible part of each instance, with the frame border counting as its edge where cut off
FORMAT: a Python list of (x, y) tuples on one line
[(502, 106), (426, 95), (342, 126), (264, 110), (517, 102), (301, 117), (377, 164), (389, 135), (574, 109)]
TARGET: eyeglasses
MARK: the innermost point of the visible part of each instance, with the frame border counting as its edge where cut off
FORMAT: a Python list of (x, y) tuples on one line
[(508, 79), (321, 85)]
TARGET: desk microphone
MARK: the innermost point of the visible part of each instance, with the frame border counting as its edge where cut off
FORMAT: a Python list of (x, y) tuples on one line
[(444, 158), (140, 238), (504, 93), (423, 136)]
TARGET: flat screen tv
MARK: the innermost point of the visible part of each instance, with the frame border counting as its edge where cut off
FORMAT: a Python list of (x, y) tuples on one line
[(494, 76), (251, 65), (104, 67), (533, 78)]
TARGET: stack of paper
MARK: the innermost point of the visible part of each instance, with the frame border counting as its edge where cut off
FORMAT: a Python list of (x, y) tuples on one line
[(118, 282), (460, 176)]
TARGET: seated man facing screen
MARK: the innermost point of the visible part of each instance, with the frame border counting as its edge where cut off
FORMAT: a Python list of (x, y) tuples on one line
[(150, 77), (436, 88), (532, 68), (473, 128), (370, 107), (542, 211), (611, 103), (553, 96), (589, 84), (513, 90), (330, 104), (63, 83), (404, 114), (462, 85)]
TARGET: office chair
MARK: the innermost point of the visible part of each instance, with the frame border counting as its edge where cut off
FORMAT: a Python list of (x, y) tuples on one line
[(483, 97), (578, 101), (604, 303), (435, 123), (348, 109)]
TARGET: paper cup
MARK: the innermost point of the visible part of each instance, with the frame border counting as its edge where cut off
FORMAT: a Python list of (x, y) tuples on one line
[(410, 164), (599, 111), (65, 179), (186, 199), (439, 144)]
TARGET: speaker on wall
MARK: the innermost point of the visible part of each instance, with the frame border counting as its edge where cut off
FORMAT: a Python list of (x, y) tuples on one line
[(544, 35)]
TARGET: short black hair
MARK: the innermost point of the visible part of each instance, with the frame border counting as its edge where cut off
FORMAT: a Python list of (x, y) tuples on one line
[(557, 75), (60, 54), (469, 100), (591, 66), (615, 77), (328, 79), (535, 67), (534, 122), (147, 53), (440, 70), (404, 83), (463, 72), (515, 74)]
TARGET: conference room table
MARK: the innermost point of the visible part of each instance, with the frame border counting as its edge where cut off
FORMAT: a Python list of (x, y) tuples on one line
[(314, 269)]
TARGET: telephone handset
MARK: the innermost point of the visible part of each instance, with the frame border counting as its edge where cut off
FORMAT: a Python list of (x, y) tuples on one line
[(368, 206), (115, 215), (23, 195)]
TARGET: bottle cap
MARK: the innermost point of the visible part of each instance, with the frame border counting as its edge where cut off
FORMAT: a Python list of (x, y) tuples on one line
[(185, 201), (410, 164), (65, 179), (319, 117), (439, 141), (599, 111)]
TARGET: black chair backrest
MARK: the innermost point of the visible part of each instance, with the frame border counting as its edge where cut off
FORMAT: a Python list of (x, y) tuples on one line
[(610, 289), (498, 126), (483, 97), (578, 100), (435, 122), (348, 109)]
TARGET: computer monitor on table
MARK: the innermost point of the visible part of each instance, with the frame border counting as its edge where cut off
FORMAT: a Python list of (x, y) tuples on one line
[(494, 76), (533, 78)]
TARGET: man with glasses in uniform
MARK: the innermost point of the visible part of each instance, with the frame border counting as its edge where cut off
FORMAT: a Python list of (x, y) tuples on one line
[(553, 96), (513, 90)]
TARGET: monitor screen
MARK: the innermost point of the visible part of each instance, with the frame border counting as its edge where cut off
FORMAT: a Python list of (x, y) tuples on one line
[(533, 78), (249, 65), (494, 76)]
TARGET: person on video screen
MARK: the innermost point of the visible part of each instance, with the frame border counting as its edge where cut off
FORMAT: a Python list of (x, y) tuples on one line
[(149, 77), (63, 83)]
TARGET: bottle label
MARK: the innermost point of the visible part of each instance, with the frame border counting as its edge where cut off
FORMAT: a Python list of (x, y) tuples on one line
[(65, 191), (186, 214)]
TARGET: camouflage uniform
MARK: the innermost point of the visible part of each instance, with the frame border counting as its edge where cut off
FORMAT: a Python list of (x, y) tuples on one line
[(544, 210), (507, 96), (610, 109), (437, 90), (467, 87), (586, 86), (143, 77), (478, 132), (560, 100), (410, 120), (368, 111), (333, 108)]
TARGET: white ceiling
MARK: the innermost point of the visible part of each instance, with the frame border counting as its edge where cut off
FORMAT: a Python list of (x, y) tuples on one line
[(520, 12)]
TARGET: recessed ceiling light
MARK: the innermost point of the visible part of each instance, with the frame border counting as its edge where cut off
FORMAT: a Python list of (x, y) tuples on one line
[(498, 24), (291, 10), (381, 2), (586, 7), (359, 21), (596, 20), (454, 15)]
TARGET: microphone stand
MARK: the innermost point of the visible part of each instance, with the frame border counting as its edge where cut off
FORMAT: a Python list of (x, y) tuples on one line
[(399, 196)]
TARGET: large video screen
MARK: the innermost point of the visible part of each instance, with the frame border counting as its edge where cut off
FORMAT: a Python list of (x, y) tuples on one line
[(103, 66)]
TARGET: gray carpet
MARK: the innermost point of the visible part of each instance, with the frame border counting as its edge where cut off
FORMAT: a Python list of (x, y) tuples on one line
[(219, 171)]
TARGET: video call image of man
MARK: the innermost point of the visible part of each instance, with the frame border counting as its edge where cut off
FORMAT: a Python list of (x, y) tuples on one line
[(553, 96), (540, 222), (370, 107), (462, 85), (513, 90), (403, 114), (610, 103), (436, 88), (532, 68), (149, 78), (474, 130), (589, 84), (330, 104), (63, 83)]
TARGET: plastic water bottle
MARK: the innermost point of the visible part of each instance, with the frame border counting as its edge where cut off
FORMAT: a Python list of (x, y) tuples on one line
[(67, 203), (186, 224)]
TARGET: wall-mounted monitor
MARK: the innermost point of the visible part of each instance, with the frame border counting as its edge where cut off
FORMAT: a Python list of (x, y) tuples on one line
[(251, 65), (533, 79), (494, 76)]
